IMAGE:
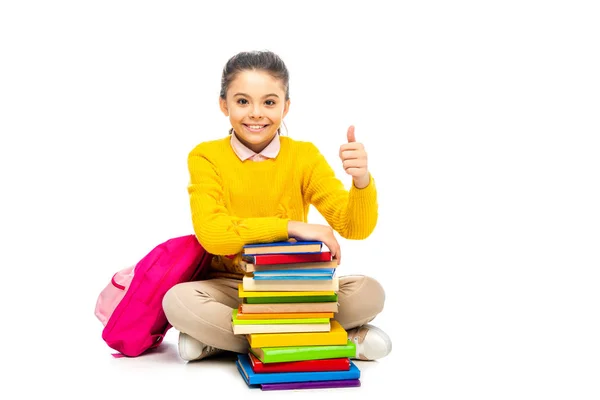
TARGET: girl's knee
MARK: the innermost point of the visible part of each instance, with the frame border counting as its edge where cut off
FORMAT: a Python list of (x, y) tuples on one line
[(374, 292), (173, 301)]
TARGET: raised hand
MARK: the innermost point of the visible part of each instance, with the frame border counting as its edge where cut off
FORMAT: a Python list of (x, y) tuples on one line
[(354, 160), (323, 233)]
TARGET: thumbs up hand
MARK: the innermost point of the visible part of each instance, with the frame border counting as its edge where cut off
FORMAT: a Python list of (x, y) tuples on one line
[(354, 160)]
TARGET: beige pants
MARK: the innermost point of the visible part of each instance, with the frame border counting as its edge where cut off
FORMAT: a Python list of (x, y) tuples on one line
[(202, 309)]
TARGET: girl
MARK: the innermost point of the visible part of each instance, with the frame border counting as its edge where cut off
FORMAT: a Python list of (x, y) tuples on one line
[(256, 186)]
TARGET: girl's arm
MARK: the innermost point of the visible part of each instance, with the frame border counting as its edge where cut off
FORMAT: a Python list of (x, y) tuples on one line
[(219, 232), (353, 214)]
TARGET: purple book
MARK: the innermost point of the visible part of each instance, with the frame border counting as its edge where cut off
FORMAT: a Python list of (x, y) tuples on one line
[(311, 385)]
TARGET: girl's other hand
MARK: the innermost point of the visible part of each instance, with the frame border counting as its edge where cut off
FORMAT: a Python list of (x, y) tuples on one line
[(354, 159), (323, 233)]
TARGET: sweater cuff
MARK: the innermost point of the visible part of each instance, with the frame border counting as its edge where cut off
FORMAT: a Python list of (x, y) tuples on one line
[(370, 187)]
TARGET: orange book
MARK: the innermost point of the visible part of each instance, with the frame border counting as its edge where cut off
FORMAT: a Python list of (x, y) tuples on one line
[(291, 315)]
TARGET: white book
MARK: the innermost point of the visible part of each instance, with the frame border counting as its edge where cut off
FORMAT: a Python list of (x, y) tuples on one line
[(280, 328)]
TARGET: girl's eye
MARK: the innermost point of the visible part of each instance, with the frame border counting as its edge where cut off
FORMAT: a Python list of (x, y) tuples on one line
[(242, 101), (270, 102)]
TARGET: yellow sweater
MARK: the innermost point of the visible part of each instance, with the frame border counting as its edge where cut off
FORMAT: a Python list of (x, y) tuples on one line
[(236, 202)]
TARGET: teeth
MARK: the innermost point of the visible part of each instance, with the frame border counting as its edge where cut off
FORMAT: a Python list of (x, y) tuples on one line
[(255, 126)]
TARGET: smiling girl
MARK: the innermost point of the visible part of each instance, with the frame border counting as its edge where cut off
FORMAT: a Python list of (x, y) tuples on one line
[(255, 186)]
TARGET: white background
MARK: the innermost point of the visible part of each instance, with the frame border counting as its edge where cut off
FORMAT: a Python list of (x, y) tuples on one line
[(481, 121)]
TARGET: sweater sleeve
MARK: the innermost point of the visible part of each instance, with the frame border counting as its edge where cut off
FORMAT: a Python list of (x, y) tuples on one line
[(219, 232), (353, 214)]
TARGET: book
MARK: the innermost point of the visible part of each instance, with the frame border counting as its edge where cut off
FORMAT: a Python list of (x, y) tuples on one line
[(284, 247), (296, 272), (329, 364), (252, 378), (292, 277), (269, 259), (337, 335), (296, 266), (276, 321), (308, 274), (246, 329), (302, 353), (249, 284), (290, 307), (311, 385), (242, 293), (291, 299), (257, 316)]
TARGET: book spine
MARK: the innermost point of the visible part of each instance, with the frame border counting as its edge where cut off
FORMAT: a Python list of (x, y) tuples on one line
[(290, 307), (297, 339), (266, 259), (333, 364), (292, 286), (308, 353)]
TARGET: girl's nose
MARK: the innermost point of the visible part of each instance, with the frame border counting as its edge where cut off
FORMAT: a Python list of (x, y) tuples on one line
[(255, 112)]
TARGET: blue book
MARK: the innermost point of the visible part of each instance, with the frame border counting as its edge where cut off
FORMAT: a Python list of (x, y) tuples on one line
[(296, 272), (245, 367), (286, 247), (292, 278)]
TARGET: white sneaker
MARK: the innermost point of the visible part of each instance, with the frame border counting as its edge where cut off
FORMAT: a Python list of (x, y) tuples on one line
[(371, 342), (191, 349)]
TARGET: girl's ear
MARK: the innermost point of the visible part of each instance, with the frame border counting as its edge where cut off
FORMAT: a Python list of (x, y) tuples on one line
[(286, 108), (223, 106)]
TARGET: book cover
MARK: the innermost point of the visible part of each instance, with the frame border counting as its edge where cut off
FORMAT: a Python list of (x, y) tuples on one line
[(250, 284), (247, 329), (296, 272), (267, 259), (290, 307), (302, 353), (330, 364), (253, 378), (276, 321), (293, 277), (296, 266), (291, 299), (242, 293), (257, 316), (311, 385), (285, 247), (337, 335)]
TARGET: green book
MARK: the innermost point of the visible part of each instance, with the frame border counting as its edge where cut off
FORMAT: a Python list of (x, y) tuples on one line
[(277, 321), (291, 299), (303, 353)]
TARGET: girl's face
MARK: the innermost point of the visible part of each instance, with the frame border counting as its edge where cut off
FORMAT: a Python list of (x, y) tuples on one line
[(255, 104)]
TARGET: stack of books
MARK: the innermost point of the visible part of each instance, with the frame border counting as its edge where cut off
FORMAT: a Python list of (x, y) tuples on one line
[(287, 313)]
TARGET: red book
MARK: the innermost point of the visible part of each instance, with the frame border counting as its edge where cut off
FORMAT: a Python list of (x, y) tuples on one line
[(328, 364), (267, 259)]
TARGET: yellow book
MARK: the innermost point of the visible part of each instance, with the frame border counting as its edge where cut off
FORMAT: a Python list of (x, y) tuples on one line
[(336, 336), (246, 293), (289, 315)]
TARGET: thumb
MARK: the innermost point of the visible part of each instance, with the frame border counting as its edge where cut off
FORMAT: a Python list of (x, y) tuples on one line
[(351, 137)]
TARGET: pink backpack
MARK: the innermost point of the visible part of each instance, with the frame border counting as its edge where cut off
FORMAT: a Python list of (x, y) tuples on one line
[(130, 307)]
